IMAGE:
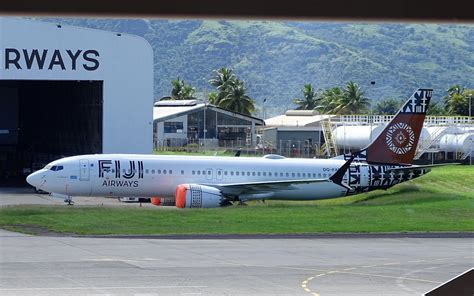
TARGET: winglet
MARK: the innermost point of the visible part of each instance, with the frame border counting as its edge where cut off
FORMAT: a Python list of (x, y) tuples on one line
[(237, 154), (338, 176)]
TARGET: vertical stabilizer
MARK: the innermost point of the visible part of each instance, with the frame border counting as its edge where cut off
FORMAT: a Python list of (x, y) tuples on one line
[(397, 143)]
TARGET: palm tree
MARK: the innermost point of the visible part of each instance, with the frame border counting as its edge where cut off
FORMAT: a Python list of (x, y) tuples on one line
[(236, 100), (329, 100), (181, 91), (222, 80), (309, 101), (387, 106), (352, 100)]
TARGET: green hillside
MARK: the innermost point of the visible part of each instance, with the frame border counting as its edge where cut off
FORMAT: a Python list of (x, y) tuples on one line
[(275, 59)]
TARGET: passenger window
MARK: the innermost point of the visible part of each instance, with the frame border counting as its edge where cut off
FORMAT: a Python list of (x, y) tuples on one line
[(209, 173), (304, 175), (292, 174), (164, 172), (299, 175), (324, 175), (248, 173), (231, 173), (159, 171), (269, 174), (199, 172), (258, 174), (264, 174), (204, 172), (170, 172), (281, 174), (225, 173), (319, 175), (253, 174), (237, 173), (287, 174), (182, 172), (194, 172), (146, 171), (219, 173)]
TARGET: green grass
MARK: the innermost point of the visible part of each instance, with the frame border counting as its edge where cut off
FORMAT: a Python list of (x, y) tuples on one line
[(441, 201)]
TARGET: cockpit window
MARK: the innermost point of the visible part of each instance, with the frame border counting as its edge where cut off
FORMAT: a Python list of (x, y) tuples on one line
[(57, 167), (47, 167)]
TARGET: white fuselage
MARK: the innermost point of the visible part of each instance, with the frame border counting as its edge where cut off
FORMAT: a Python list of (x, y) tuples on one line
[(158, 176)]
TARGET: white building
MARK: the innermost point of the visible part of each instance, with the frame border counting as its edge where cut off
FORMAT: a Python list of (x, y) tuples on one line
[(69, 90)]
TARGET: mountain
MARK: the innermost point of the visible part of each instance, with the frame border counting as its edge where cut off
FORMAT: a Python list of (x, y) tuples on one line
[(275, 59)]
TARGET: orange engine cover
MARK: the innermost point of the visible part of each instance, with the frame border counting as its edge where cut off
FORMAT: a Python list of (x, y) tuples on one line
[(180, 196)]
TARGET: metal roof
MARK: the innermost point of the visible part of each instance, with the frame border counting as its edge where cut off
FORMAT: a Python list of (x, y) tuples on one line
[(164, 110), (305, 120)]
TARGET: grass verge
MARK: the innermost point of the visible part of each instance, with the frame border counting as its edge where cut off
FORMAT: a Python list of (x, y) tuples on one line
[(442, 201)]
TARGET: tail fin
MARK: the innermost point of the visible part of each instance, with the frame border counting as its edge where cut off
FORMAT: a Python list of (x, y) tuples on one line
[(397, 142)]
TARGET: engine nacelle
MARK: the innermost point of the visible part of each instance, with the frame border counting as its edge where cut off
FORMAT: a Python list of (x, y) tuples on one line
[(162, 201), (198, 196)]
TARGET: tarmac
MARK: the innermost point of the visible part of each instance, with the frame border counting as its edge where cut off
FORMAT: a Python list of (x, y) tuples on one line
[(338, 265)]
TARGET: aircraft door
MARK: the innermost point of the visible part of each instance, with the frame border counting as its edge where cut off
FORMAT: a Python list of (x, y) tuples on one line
[(364, 175), (84, 173)]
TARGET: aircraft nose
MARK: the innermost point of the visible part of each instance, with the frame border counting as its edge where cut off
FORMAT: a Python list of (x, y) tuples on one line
[(34, 179)]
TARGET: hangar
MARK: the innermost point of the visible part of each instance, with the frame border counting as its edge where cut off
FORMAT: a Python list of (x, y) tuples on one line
[(184, 122), (68, 90)]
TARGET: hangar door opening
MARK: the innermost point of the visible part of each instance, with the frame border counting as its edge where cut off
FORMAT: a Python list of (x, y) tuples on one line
[(42, 121)]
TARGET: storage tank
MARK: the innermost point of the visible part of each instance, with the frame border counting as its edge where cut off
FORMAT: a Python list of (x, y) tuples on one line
[(358, 136), (457, 143)]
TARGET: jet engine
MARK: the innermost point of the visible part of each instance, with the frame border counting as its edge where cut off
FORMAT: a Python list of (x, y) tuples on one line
[(199, 196)]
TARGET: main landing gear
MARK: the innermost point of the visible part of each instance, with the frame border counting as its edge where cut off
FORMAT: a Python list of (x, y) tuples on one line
[(69, 201)]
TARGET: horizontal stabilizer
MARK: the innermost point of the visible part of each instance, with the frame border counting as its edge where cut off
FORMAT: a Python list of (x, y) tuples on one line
[(419, 167)]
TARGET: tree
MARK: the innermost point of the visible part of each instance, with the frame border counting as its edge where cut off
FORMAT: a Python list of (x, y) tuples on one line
[(352, 100), (328, 100), (387, 106), (310, 98), (236, 100), (181, 91), (436, 109), (457, 100), (222, 80), (230, 93)]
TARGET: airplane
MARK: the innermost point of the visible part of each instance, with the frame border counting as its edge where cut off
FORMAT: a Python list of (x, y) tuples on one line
[(208, 182)]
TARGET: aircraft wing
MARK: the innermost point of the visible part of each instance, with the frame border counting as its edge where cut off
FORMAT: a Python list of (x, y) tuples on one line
[(262, 187)]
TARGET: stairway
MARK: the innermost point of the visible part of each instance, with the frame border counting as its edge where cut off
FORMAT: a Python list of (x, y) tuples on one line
[(330, 144), (423, 146)]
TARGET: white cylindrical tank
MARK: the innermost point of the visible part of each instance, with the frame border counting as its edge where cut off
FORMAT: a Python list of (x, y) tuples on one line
[(457, 143), (356, 136), (425, 136), (359, 136)]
